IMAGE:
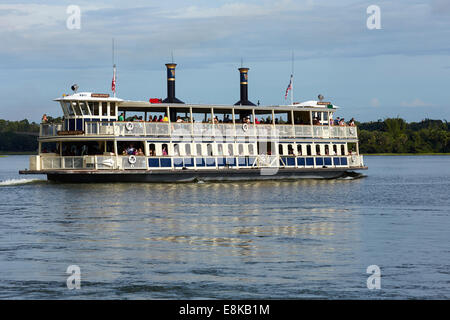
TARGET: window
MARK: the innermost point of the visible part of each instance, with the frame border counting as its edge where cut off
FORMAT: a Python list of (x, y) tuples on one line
[(152, 149), (65, 109), (335, 149), (308, 150), (69, 108), (327, 150), (76, 108), (176, 149), (84, 109), (342, 150), (318, 149), (104, 109), (209, 149), (165, 150), (112, 109), (241, 149), (199, 149), (95, 109), (187, 148), (230, 149), (280, 149), (251, 149), (220, 149), (299, 149), (290, 150)]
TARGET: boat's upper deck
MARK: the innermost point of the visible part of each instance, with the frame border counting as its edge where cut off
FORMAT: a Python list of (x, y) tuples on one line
[(101, 115)]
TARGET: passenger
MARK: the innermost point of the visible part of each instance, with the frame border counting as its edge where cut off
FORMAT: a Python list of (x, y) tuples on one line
[(84, 150), (155, 119), (160, 119), (256, 121), (165, 119), (342, 122), (131, 150), (44, 118), (139, 152), (122, 117), (73, 150), (164, 151), (331, 122), (316, 121), (216, 120), (351, 123), (277, 121), (179, 119), (336, 122)]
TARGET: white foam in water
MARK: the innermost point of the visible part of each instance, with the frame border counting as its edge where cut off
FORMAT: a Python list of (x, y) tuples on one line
[(13, 182)]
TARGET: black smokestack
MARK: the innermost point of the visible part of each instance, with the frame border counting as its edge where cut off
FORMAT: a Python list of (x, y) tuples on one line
[(244, 89), (171, 84)]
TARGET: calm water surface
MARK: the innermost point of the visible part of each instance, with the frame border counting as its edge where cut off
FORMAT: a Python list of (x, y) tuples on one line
[(304, 239)]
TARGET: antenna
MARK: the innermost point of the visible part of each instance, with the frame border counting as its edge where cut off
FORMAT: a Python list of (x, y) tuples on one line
[(242, 62), (172, 56)]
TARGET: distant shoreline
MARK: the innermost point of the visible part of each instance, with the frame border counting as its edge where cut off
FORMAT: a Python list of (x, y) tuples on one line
[(406, 154), (17, 153)]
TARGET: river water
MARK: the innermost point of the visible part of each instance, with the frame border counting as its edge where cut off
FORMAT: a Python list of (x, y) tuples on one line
[(246, 240)]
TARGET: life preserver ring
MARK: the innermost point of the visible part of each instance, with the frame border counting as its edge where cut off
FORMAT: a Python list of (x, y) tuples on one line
[(352, 130), (245, 127), (129, 126), (132, 159)]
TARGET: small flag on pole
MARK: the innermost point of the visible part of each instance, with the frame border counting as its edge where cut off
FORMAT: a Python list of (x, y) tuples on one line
[(113, 83), (288, 88)]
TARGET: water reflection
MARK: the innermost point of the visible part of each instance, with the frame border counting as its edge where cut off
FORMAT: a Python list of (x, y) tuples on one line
[(271, 239)]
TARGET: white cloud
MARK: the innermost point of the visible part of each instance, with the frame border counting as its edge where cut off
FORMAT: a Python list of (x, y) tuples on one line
[(239, 9), (29, 17), (416, 103)]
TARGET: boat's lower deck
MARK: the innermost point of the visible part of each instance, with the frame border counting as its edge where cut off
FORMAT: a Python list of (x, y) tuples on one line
[(72, 176)]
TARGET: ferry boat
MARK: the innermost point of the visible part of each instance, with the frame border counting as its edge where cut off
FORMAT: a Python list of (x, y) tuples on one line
[(173, 141)]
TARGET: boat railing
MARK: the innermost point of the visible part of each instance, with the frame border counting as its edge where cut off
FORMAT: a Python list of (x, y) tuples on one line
[(50, 129), (113, 162), (137, 128)]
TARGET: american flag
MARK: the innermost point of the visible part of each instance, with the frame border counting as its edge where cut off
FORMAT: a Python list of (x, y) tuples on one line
[(113, 83), (288, 88)]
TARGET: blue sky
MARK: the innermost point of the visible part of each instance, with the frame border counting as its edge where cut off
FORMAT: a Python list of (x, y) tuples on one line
[(403, 69)]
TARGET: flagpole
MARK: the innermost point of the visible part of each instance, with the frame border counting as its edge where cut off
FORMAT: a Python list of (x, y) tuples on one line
[(114, 68), (292, 73)]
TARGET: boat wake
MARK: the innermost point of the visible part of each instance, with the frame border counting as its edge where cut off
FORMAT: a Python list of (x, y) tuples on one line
[(14, 182), (352, 176)]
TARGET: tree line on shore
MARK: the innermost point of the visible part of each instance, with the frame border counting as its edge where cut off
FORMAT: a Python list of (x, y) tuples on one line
[(391, 135), (395, 135)]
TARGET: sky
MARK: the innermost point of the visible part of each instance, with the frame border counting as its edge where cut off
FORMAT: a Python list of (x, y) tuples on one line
[(401, 69)]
